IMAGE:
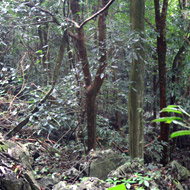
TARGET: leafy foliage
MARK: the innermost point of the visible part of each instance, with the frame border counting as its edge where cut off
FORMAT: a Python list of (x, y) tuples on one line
[(31, 30), (3, 147), (137, 180), (175, 109)]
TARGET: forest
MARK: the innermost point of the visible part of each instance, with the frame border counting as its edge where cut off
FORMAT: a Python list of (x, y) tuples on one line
[(94, 95)]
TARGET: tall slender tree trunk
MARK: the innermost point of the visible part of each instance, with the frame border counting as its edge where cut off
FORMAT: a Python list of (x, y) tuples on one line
[(136, 88), (154, 94), (160, 17), (43, 36)]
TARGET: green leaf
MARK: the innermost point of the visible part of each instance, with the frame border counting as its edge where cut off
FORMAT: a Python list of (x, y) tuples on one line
[(128, 186), (39, 51), (38, 61), (166, 119), (172, 110), (84, 178), (184, 111), (172, 106), (179, 123), (180, 133), (146, 183), (118, 187)]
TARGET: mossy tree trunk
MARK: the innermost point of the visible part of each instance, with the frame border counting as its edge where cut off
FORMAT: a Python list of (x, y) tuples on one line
[(136, 88)]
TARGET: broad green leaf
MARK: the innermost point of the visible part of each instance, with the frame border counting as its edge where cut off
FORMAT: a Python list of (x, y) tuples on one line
[(172, 110), (118, 187), (179, 123), (180, 133), (172, 106), (167, 119)]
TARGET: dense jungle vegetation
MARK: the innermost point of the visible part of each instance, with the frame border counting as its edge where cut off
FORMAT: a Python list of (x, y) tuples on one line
[(83, 75)]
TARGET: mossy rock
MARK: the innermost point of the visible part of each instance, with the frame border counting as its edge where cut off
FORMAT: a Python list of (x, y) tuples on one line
[(181, 172), (103, 162), (18, 154)]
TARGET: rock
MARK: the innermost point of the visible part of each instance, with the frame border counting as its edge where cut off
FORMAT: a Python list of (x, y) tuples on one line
[(47, 182), (102, 162), (9, 181), (181, 172), (18, 154), (130, 167), (91, 183), (99, 164), (62, 185), (72, 174), (29, 176)]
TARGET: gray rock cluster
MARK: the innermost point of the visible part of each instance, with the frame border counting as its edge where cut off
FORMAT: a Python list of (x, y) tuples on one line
[(99, 166)]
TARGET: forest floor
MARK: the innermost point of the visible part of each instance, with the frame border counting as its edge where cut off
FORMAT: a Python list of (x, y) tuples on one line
[(52, 160)]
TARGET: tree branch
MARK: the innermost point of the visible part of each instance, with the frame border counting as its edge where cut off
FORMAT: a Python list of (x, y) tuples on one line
[(150, 24), (43, 10), (91, 17)]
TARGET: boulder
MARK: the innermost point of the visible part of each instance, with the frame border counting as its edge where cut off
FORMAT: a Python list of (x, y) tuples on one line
[(9, 181), (15, 155), (130, 167), (47, 182), (181, 172), (72, 174), (102, 162)]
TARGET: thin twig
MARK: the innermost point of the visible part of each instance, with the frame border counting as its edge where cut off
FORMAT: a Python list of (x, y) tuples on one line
[(150, 24), (23, 82)]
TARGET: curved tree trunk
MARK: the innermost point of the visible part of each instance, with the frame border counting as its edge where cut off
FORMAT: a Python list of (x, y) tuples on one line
[(92, 87)]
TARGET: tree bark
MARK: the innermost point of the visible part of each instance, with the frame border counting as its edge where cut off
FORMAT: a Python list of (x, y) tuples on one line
[(160, 17), (154, 94), (92, 87), (136, 88)]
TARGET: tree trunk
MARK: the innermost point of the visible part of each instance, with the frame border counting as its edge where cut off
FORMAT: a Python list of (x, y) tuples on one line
[(136, 88), (117, 123), (154, 94), (43, 36), (92, 87), (161, 51)]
